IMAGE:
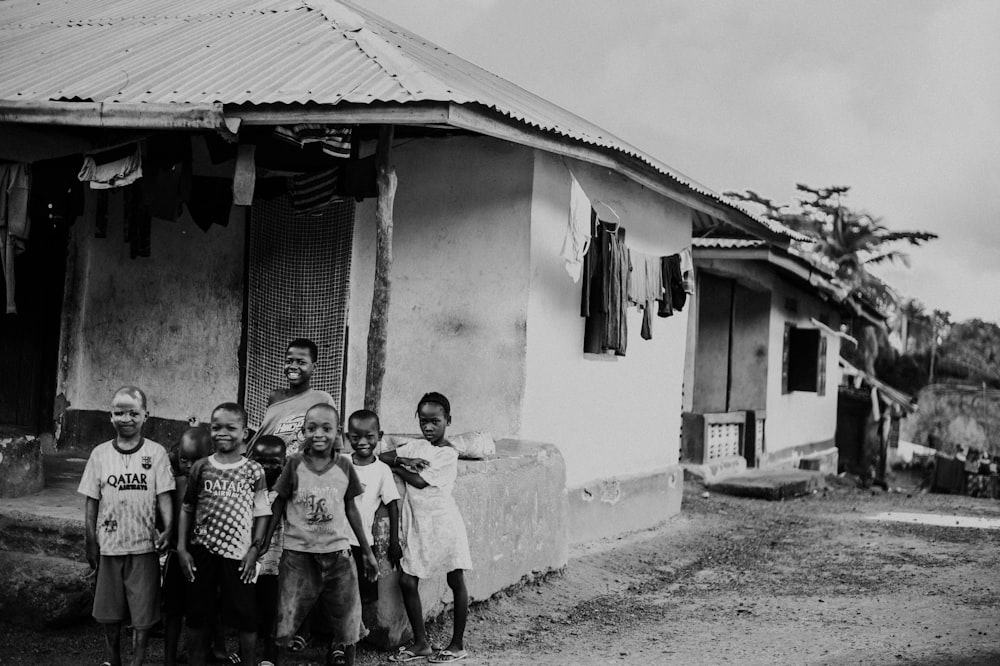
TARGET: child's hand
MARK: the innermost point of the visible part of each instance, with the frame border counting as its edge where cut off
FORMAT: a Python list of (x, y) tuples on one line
[(248, 565), (93, 553), (415, 465), (371, 567), (162, 541), (394, 553), (187, 565)]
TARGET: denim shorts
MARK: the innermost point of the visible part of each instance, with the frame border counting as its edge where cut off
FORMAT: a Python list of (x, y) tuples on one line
[(327, 579)]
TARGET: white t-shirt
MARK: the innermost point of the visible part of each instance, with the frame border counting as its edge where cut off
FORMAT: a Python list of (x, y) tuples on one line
[(126, 483), (380, 488)]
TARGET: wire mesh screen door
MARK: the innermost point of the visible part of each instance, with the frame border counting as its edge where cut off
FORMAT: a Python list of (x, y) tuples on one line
[(298, 287)]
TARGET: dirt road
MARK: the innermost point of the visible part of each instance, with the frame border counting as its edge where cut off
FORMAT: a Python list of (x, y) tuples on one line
[(731, 581)]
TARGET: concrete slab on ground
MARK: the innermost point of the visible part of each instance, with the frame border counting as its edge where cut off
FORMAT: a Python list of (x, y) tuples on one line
[(768, 484)]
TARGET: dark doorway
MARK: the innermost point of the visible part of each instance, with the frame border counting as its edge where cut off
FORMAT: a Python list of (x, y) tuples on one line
[(29, 340)]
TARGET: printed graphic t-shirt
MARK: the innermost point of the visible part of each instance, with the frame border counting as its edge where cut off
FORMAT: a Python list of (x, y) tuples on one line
[(380, 488), (285, 418), (315, 519), (126, 483), (225, 498)]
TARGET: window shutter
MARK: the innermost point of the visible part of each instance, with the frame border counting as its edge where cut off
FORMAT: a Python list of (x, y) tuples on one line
[(821, 373), (784, 358)]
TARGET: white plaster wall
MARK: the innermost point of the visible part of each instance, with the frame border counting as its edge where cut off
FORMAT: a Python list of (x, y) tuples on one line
[(609, 416), (800, 417), (459, 284), (169, 324)]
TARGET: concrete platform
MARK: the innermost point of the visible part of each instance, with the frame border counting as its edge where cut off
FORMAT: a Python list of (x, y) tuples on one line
[(768, 484)]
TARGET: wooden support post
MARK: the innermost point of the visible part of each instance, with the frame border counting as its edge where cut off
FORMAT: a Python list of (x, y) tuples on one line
[(378, 325)]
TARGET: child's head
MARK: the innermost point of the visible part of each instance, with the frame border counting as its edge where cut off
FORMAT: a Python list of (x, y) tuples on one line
[(269, 451), (300, 361), (229, 427), (320, 429), (364, 432), (195, 444), (434, 415), (128, 411)]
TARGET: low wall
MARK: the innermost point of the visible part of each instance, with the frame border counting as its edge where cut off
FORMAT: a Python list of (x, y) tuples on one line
[(612, 507), (514, 507), (21, 471)]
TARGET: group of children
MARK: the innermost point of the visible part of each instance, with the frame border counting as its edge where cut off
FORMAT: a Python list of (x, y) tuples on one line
[(271, 533)]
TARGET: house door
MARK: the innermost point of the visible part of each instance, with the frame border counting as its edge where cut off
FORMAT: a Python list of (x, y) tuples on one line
[(298, 285), (29, 340)]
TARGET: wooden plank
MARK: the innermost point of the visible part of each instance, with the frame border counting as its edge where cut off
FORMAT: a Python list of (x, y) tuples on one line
[(378, 325), (422, 114), (97, 114)]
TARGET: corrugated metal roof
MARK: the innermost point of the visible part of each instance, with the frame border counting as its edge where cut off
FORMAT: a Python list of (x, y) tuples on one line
[(264, 52), (726, 243)]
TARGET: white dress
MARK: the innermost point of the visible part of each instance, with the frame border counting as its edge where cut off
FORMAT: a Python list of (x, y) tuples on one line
[(434, 537)]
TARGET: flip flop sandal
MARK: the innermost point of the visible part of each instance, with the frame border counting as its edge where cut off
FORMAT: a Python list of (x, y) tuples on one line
[(234, 658), (335, 658), (297, 644), (405, 654), (447, 656)]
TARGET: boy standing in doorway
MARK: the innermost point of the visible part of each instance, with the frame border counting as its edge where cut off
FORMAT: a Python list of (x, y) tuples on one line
[(286, 407)]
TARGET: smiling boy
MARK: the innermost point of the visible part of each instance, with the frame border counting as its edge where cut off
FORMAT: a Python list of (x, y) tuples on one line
[(221, 533), (126, 480), (286, 407), (315, 495)]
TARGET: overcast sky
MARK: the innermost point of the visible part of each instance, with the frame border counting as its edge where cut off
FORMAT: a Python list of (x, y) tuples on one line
[(898, 99)]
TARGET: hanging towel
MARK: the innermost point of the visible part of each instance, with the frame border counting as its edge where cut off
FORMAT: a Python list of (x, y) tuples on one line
[(687, 272), (336, 141), (168, 172), (15, 187), (577, 240), (645, 287), (114, 168), (244, 175), (211, 201)]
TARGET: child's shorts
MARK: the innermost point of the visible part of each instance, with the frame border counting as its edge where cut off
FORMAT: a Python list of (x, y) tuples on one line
[(367, 588), (128, 586), (217, 576), (305, 579)]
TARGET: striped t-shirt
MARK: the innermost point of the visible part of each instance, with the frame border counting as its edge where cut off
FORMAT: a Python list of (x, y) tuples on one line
[(225, 498), (125, 484)]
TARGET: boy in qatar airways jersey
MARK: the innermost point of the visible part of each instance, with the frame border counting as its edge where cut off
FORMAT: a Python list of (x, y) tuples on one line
[(126, 481)]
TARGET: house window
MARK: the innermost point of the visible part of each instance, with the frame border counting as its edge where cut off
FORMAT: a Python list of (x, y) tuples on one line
[(804, 360)]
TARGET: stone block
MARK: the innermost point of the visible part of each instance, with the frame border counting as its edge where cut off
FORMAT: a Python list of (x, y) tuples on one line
[(514, 507), (42, 591), (21, 471)]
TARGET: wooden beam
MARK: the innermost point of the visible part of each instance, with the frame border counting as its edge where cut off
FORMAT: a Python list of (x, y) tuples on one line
[(98, 114), (378, 324), (420, 114)]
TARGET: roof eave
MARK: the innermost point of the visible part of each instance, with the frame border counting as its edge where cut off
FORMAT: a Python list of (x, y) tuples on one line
[(113, 115)]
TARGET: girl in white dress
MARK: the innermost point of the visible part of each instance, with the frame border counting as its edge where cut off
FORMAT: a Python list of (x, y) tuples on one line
[(435, 540)]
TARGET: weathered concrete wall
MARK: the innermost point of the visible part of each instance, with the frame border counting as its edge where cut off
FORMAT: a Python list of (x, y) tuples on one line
[(614, 506), (459, 284), (951, 415), (609, 416), (514, 507), (170, 323), (21, 471)]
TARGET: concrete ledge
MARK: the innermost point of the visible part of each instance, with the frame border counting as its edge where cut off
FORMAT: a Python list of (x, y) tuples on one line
[(615, 506), (824, 461), (21, 470), (717, 469), (770, 484), (789, 457), (42, 591), (514, 507)]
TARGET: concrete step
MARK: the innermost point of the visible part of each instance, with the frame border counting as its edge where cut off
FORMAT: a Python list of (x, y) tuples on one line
[(770, 484)]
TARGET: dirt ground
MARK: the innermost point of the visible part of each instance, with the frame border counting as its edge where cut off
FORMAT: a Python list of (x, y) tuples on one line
[(728, 581)]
